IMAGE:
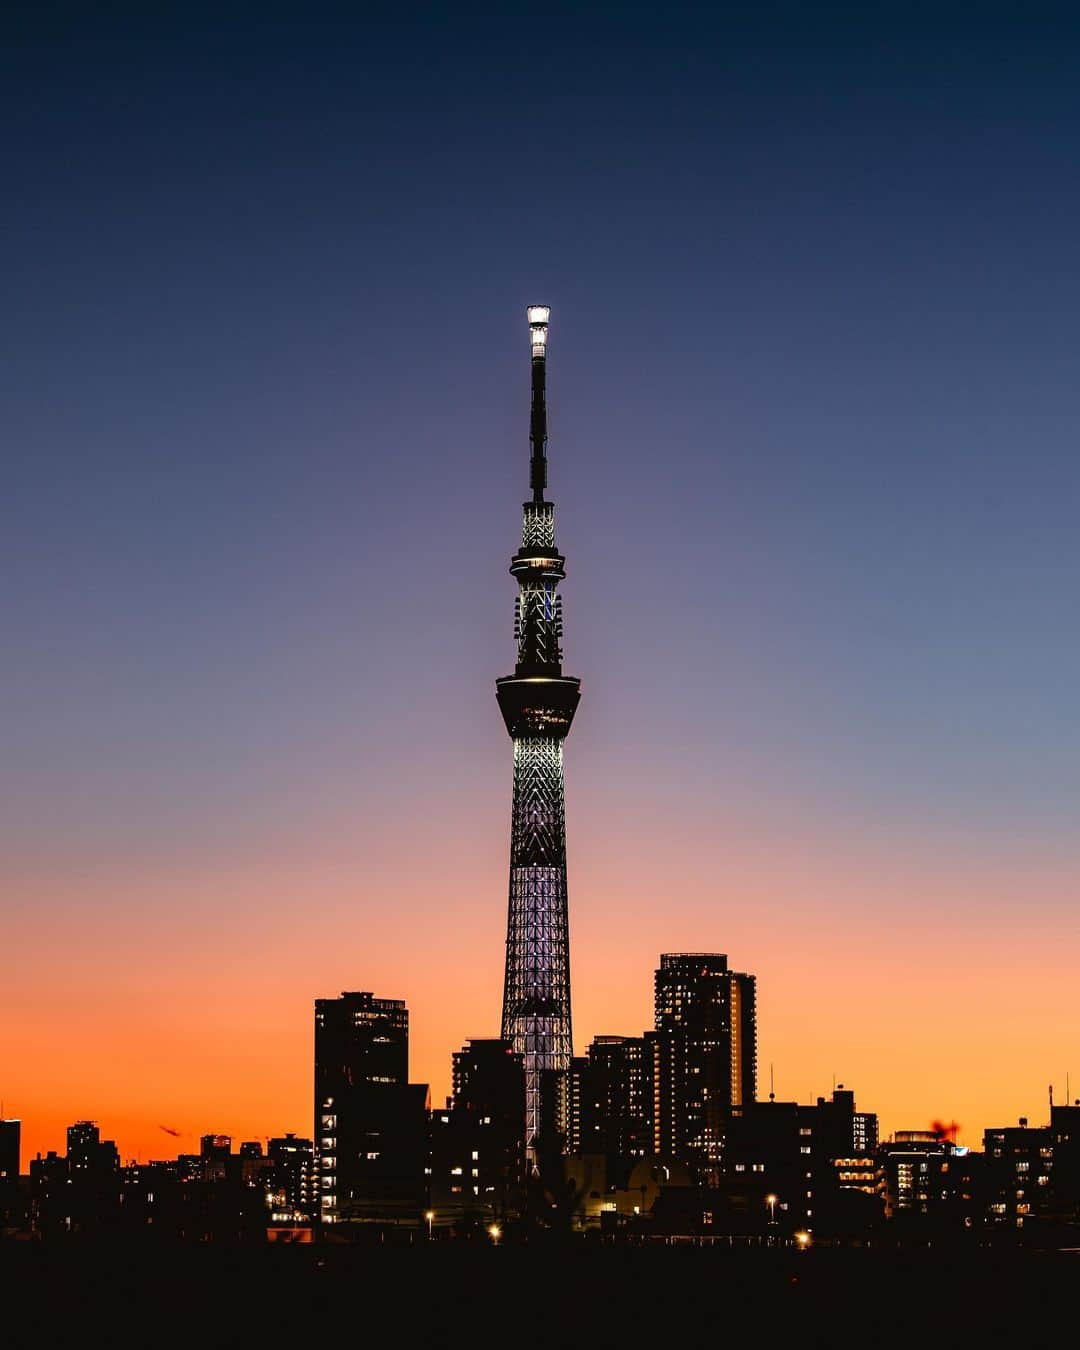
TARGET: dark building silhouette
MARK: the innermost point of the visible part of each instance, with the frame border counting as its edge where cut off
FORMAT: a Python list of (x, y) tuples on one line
[(791, 1167), (11, 1204), (704, 1056), (88, 1153), (360, 1040), (78, 1193), (932, 1187), (10, 1146), (370, 1122), (1032, 1175), (216, 1157), (609, 1104), (538, 703), (50, 1196), (199, 1198), (545, 1157), (218, 1195), (93, 1177), (252, 1168), (477, 1157)]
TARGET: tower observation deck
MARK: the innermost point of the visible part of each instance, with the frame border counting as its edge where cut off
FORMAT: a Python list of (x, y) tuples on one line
[(538, 703)]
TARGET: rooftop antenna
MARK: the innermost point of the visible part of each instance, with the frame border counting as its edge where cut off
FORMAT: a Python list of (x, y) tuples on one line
[(772, 1094)]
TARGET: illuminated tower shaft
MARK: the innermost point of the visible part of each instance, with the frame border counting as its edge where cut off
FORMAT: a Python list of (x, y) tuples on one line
[(537, 703)]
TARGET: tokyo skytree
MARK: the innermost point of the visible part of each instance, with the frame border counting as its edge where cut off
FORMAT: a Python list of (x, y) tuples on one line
[(538, 703)]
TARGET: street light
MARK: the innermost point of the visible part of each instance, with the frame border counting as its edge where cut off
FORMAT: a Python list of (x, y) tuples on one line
[(770, 1200), (802, 1240), (495, 1233), (430, 1216)]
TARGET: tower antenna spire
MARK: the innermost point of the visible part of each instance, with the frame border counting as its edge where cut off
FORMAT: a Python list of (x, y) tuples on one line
[(538, 332)]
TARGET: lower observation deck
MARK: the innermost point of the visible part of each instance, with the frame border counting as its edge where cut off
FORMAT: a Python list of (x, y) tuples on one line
[(538, 705)]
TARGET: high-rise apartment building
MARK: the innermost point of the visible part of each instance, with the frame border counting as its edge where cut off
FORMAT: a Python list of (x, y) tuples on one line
[(79, 1193), (87, 1152), (370, 1122), (360, 1039), (704, 1055), (609, 1103), (10, 1144), (477, 1160), (292, 1179)]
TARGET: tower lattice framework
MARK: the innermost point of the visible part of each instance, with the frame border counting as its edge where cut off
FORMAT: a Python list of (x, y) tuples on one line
[(538, 703)]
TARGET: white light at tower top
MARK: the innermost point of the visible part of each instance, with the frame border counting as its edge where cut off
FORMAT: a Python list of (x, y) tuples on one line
[(538, 322)]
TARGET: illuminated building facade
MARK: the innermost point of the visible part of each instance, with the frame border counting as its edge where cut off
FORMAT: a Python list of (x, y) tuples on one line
[(370, 1122), (928, 1183), (292, 1179), (704, 1053), (609, 1099), (804, 1167), (1033, 1172), (215, 1152), (538, 703)]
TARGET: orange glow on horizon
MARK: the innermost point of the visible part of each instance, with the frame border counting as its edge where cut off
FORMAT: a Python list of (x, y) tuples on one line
[(197, 1017)]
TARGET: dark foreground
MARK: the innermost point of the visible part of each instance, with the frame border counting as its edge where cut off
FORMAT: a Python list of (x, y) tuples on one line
[(483, 1297)]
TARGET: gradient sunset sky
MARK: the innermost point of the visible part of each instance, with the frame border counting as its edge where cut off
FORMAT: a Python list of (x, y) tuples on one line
[(814, 451)]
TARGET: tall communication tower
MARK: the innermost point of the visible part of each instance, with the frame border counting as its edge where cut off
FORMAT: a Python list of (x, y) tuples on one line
[(538, 703)]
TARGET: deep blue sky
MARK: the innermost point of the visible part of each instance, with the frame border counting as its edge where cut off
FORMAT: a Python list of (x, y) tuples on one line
[(814, 432), (815, 403)]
